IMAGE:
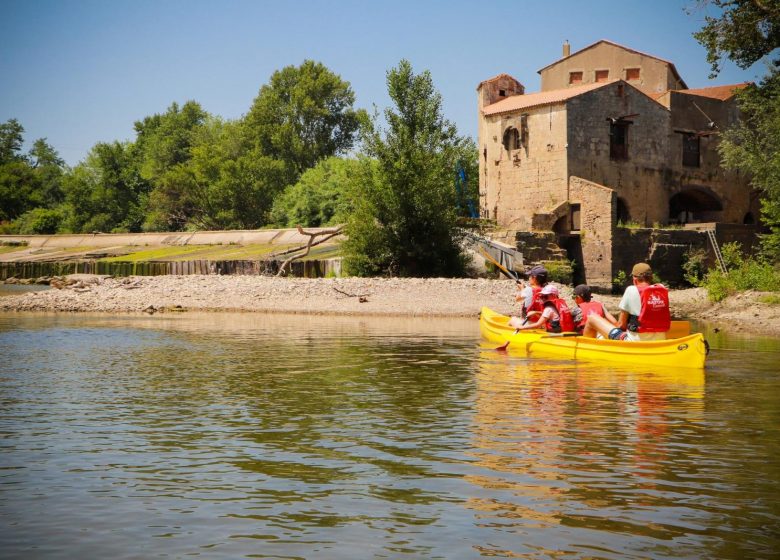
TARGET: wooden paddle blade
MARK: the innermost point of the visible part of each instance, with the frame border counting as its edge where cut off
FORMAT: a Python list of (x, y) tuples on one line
[(503, 347)]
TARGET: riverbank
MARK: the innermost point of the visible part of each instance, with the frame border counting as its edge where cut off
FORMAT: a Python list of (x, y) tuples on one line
[(348, 296)]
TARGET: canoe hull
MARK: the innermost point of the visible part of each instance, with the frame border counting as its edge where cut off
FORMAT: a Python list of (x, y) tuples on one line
[(685, 352)]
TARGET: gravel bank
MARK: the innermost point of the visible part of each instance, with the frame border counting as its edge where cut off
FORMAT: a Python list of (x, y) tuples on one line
[(349, 296)]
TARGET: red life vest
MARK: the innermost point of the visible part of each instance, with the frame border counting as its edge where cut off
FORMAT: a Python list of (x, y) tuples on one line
[(590, 308), (655, 315), (536, 300), (565, 323)]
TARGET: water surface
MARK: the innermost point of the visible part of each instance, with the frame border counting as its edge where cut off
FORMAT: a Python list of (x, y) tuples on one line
[(245, 435)]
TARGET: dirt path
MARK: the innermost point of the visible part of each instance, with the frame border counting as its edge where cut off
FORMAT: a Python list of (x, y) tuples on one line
[(350, 296)]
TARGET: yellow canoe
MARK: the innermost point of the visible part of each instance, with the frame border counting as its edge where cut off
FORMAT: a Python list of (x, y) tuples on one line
[(684, 350)]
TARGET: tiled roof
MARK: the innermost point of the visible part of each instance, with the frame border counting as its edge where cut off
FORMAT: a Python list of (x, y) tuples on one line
[(502, 75), (716, 92), (671, 64), (517, 102)]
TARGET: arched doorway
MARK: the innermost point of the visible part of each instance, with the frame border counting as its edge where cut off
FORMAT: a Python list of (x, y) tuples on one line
[(623, 216), (694, 205)]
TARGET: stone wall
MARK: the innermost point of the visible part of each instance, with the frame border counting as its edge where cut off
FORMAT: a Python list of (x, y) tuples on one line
[(515, 184), (637, 180), (655, 75), (597, 216)]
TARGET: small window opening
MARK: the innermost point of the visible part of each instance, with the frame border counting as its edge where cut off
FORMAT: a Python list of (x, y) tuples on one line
[(690, 152), (575, 78), (511, 139), (632, 74), (620, 90), (575, 217), (602, 75), (502, 93), (618, 140)]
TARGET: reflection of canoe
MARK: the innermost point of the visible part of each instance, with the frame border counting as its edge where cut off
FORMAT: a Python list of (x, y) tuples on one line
[(684, 351)]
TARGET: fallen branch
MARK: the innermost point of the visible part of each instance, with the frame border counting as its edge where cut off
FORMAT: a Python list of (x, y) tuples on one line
[(350, 295), (326, 234)]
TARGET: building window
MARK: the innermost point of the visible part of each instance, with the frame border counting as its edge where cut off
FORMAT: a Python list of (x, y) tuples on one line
[(502, 93), (575, 213), (618, 140), (511, 139), (575, 78), (690, 151), (632, 74), (602, 75)]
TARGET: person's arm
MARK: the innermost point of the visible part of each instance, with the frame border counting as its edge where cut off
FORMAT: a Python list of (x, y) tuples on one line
[(622, 321), (608, 316), (539, 324)]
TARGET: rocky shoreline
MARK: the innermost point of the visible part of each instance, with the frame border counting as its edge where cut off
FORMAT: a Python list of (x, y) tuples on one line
[(411, 297)]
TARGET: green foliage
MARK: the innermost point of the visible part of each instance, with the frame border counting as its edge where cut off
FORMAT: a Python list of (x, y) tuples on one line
[(303, 115), (744, 31), (11, 140), (40, 221), (770, 299), (320, 197), (629, 225), (105, 192), (744, 273), (561, 272), (694, 266), (404, 218), (619, 281)]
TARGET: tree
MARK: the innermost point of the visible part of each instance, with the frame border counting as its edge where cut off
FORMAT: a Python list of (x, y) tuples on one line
[(48, 168), (11, 140), (105, 192), (753, 146), (404, 220), (744, 32), (303, 115), (319, 198)]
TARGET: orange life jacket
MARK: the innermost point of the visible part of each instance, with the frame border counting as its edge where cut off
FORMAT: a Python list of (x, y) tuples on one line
[(655, 315), (565, 323), (590, 308)]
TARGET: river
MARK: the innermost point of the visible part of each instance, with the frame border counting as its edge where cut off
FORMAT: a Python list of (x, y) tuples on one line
[(248, 435)]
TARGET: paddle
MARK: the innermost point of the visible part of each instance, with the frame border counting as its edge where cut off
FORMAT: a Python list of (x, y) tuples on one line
[(502, 348), (508, 273)]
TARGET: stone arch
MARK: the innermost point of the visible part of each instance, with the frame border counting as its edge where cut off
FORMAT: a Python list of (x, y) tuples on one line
[(695, 204)]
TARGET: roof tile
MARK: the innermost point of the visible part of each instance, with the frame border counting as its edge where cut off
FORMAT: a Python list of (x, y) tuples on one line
[(517, 102)]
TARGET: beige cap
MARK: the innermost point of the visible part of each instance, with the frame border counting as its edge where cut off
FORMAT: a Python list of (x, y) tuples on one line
[(640, 269)]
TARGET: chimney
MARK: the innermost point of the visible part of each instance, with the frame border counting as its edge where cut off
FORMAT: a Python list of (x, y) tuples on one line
[(566, 49)]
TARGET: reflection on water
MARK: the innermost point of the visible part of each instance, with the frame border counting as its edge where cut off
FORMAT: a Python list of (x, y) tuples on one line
[(246, 435)]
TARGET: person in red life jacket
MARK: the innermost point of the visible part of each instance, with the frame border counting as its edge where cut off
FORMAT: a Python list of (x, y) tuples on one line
[(587, 306), (530, 295), (555, 316), (644, 311)]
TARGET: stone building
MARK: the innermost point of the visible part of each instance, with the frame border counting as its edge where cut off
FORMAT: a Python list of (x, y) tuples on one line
[(614, 137)]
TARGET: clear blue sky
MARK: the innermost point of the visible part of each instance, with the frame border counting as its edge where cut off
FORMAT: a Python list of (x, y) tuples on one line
[(83, 71)]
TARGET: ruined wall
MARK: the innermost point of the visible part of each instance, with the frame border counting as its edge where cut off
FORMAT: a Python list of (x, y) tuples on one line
[(515, 184), (638, 180), (655, 75), (665, 249), (692, 114), (597, 219)]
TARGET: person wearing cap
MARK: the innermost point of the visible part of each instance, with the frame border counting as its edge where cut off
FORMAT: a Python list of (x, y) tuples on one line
[(587, 306), (530, 295), (555, 316), (644, 311)]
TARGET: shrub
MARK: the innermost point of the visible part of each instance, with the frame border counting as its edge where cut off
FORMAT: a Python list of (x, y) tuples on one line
[(39, 221), (561, 272), (694, 267), (744, 273)]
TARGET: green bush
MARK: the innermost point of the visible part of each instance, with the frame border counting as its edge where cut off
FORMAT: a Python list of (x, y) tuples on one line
[(561, 272), (744, 273), (694, 268), (39, 221)]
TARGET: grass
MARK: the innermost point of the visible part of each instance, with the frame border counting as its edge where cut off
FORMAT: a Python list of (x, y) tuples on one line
[(230, 252), (770, 299)]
